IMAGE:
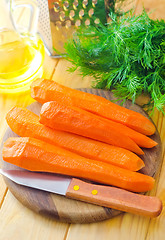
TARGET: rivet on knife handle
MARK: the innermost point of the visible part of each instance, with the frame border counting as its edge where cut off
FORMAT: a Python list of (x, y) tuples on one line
[(115, 198)]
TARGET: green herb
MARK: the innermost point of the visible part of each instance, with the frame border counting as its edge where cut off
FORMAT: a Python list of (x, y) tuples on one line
[(127, 56)]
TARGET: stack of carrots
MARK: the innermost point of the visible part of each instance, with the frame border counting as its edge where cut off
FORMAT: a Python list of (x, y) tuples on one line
[(82, 135)]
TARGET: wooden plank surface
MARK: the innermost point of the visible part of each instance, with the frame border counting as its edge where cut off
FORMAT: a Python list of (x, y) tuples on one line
[(73, 80), (19, 223), (155, 8)]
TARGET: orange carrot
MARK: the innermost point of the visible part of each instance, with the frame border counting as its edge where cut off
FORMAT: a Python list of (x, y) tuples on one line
[(78, 121), (35, 155), (44, 90), (140, 139), (26, 124), (47, 90)]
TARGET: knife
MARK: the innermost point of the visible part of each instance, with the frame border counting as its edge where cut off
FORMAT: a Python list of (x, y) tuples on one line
[(106, 196)]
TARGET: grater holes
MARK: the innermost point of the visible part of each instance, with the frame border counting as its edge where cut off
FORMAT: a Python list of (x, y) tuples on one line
[(94, 2), (78, 23), (97, 21), (44, 28), (66, 5), (85, 3), (91, 12), (71, 14), (68, 24), (75, 4), (81, 13), (87, 22), (56, 7), (62, 16)]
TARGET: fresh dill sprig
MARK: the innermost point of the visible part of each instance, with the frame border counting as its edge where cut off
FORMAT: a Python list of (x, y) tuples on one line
[(126, 56)]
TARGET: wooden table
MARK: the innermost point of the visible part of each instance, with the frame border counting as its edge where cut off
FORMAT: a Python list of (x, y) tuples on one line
[(20, 223)]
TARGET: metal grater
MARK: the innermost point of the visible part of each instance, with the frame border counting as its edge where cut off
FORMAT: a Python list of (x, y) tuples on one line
[(58, 19)]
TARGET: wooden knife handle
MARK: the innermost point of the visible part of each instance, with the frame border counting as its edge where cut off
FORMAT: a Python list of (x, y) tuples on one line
[(115, 198)]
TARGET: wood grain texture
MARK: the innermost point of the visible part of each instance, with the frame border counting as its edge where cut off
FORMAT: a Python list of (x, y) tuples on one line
[(73, 80), (63, 209), (115, 198), (155, 9), (20, 223), (156, 227), (123, 227)]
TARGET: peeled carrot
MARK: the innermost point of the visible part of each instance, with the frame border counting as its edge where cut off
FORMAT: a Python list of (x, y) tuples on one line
[(35, 155), (26, 124), (140, 139), (44, 90), (57, 95), (78, 121)]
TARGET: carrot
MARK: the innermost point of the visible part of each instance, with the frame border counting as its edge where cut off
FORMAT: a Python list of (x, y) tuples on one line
[(44, 90), (57, 95), (78, 121), (35, 155), (140, 139), (26, 124)]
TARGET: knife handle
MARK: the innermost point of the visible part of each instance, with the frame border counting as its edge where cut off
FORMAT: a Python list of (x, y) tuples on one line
[(115, 198)]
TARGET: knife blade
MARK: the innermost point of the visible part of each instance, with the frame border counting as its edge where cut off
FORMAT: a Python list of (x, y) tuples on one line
[(101, 195)]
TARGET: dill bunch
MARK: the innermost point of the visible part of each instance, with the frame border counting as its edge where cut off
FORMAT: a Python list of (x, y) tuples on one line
[(126, 56)]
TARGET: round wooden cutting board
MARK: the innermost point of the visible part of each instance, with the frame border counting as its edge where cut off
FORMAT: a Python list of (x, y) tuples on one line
[(72, 211)]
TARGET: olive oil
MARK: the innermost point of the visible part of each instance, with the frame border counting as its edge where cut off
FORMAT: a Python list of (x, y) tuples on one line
[(21, 60)]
